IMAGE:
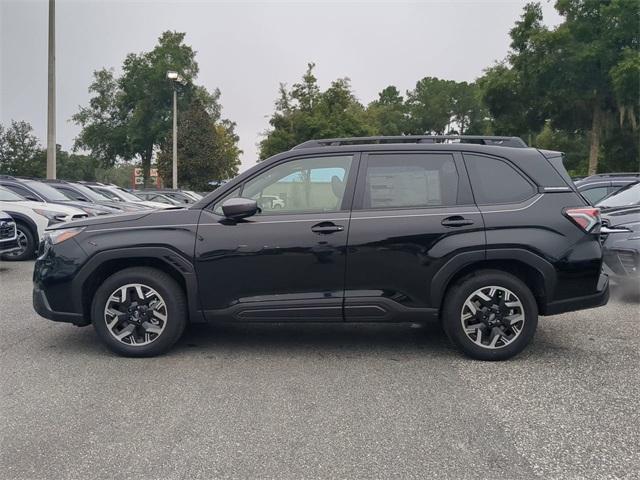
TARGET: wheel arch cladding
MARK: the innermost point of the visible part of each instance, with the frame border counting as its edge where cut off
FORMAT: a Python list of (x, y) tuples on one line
[(530, 275), (107, 263)]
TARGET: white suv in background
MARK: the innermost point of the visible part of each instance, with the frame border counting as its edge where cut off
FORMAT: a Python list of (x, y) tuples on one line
[(32, 218), (8, 235)]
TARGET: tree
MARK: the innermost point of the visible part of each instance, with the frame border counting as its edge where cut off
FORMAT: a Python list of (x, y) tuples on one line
[(207, 150), (306, 112), (388, 114), (128, 117), (19, 149), (579, 76), (439, 106), (430, 106)]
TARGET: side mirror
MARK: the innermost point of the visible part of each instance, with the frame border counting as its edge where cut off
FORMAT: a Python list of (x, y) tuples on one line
[(237, 208)]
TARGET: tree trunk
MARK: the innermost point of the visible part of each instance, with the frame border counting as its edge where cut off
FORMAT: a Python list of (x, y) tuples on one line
[(596, 130), (146, 167)]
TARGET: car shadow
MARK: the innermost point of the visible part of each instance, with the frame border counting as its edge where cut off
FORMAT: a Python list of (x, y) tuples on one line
[(328, 338)]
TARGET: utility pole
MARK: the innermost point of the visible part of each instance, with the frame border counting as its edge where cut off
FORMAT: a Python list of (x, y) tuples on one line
[(175, 78), (51, 95), (175, 138)]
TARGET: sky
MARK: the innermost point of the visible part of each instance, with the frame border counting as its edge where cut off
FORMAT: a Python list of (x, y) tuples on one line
[(246, 48)]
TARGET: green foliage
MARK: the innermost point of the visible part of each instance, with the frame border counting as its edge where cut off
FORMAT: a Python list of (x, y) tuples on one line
[(19, 151), (207, 150), (120, 174), (434, 106), (388, 114), (129, 117), (579, 77), (305, 112)]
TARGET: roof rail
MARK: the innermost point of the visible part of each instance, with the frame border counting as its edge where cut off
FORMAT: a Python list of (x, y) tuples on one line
[(476, 139), (617, 174), (8, 177)]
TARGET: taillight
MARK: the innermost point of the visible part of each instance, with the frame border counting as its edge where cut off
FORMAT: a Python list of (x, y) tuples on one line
[(585, 217)]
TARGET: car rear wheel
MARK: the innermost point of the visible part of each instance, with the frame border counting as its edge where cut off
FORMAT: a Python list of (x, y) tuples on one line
[(139, 312), (490, 315), (27, 245)]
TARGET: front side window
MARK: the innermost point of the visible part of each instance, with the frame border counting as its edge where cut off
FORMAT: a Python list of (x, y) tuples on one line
[(410, 180), (299, 186), (495, 181), (7, 195)]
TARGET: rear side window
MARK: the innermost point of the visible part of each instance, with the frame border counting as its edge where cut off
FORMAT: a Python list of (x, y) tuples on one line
[(495, 181), (410, 181)]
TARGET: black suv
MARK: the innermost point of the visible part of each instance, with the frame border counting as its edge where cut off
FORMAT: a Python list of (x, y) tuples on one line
[(482, 233)]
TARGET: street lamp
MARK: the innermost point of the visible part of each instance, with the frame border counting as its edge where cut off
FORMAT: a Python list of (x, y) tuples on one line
[(175, 77)]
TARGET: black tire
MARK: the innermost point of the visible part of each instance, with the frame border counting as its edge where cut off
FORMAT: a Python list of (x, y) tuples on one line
[(172, 295), (31, 245), (453, 307)]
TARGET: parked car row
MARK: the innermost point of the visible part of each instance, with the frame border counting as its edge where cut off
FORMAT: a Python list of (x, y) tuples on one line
[(621, 240), (28, 206)]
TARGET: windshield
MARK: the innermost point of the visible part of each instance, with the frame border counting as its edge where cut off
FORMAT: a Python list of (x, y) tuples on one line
[(627, 196), (49, 193), (126, 196), (9, 196), (91, 194)]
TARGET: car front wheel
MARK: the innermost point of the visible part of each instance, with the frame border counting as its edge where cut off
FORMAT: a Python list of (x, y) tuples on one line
[(139, 312), (27, 245), (490, 315)]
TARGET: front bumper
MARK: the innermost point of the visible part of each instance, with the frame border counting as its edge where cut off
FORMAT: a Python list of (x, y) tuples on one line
[(9, 245), (43, 308), (622, 262), (598, 299)]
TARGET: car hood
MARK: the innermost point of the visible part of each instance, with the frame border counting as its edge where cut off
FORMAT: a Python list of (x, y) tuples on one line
[(622, 216), (56, 207), (93, 206), (103, 219)]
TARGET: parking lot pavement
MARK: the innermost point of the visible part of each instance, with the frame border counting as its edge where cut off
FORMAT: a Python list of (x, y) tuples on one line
[(315, 401)]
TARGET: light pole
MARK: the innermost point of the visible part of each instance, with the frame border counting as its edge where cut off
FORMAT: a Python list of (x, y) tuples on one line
[(175, 78), (51, 94)]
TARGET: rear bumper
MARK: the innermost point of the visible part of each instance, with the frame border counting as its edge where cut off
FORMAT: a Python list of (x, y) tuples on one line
[(42, 307), (601, 297)]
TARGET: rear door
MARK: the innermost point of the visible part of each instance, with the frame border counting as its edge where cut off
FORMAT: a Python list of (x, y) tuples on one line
[(413, 212)]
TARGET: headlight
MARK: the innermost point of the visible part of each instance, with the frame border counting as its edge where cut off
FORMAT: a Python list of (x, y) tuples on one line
[(53, 216), (93, 211), (54, 237)]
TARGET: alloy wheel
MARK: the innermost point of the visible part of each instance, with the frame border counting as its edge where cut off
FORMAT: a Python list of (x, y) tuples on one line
[(492, 317), (135, 314)]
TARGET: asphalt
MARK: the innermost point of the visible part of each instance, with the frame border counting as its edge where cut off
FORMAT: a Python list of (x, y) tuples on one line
[(317, 401)]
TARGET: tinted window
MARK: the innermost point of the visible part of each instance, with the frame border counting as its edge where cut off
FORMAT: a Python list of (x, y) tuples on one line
[(410, 181), (7, 195), (71, 194), (49, 193), (495, 181), (593, 195), (303, 185), (23, 192)]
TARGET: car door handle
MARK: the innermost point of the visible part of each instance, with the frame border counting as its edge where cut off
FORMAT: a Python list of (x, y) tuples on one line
[(456, 221), (326, 227)]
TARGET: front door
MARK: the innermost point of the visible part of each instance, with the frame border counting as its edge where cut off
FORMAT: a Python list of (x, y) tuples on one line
[(288, 261)]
